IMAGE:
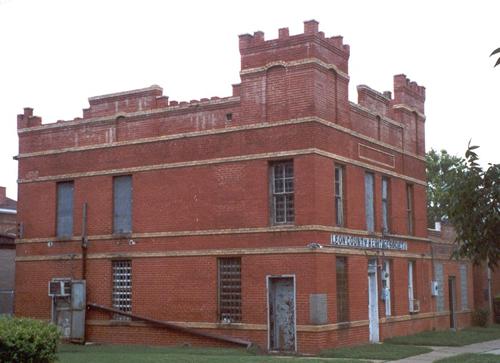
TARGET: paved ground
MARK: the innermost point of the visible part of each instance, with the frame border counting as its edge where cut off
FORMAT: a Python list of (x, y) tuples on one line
[(491, 347)]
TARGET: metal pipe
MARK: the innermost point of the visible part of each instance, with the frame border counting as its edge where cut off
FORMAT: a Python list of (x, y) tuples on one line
[(164, 324)]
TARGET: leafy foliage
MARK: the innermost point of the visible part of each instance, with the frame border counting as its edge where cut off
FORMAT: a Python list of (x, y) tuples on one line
[(480, 317), (474, 210), (441, 170), (495, 52), (27, 341)]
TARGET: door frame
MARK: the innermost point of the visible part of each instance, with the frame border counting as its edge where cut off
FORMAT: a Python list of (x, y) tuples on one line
[(268, 283), (452, 299), (376, 319)]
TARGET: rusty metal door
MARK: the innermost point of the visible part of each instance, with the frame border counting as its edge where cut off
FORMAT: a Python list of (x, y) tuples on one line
[(281, 302), (61, 315)]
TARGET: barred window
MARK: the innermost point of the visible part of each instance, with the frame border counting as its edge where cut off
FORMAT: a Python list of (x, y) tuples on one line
[(229, 290), (122, 287), (339, 195), (282, 190), (342, 289)]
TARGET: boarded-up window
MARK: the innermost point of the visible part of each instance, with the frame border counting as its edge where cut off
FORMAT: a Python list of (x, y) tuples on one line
[(282, 190), (385, 204), (339, 195), (65, 209), (438, 270), (342, 289), (409, 208), (122, 287), (122, 206), (369, 202), (230, 290), (464, 287)]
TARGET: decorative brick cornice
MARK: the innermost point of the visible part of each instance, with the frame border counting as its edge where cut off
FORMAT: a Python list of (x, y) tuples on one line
[(229, 159)]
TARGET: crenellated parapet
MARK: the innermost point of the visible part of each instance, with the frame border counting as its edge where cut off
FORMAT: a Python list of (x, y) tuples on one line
[(409, 93), (311, 44), (302, 76), (26, 119)]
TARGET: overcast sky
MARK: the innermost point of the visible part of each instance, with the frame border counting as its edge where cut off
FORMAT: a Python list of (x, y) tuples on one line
[(56, 54)]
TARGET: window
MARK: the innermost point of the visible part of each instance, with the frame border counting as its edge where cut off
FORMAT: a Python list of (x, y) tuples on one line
[(385, 204), (438, 268), (413, 304), (339, 195), (230, 290), (369, 203), (122, 287), (282, 191), (464, 287), (386, 286), (64, 224), (122, 204), (342, 294), (409, 208)]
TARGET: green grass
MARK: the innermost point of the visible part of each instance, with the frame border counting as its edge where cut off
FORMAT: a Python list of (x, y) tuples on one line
[(472, 358), (450, 338), (376, 351), (143, 354)]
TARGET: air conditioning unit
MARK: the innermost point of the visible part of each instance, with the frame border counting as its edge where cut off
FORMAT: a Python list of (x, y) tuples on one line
[(414, 306), (60, 288)]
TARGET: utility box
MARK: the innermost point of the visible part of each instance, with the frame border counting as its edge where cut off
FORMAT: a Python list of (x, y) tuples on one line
[(68, 307), (434, 288)]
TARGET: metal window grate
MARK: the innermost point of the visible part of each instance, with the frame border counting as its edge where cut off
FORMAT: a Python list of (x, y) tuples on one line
[(342, 289), (283, 189), (230, 290), (122, 287)]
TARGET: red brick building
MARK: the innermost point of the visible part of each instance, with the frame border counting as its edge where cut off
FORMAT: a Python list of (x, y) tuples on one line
[(283, 214)]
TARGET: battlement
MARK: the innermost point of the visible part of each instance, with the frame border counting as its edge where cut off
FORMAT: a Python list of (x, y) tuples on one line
[(312, 43), (26, 119), (408, 93)]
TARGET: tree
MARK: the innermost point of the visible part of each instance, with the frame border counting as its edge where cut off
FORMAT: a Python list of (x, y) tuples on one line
[(495, 52), (474, 210), (441, 170)]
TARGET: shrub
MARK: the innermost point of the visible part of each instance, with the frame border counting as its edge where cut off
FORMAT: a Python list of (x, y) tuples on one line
[(480, 317), (27, 340)]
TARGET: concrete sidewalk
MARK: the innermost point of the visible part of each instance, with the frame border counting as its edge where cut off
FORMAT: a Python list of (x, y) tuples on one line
[(491, 347)]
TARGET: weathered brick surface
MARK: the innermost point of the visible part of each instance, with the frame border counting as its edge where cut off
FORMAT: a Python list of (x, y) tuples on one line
[(200, 176)]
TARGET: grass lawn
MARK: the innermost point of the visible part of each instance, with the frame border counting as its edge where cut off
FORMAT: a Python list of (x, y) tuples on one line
[(142, 354), (376, 351), (472, 358), (450, 338)]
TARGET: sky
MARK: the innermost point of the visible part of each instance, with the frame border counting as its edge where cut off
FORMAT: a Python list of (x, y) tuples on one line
[(55, 54)]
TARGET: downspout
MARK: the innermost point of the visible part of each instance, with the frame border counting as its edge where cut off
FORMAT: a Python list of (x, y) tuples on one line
[(84, 245)]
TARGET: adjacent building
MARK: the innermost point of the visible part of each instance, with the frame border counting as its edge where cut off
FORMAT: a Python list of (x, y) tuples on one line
[(284, 214), (8, 230)]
